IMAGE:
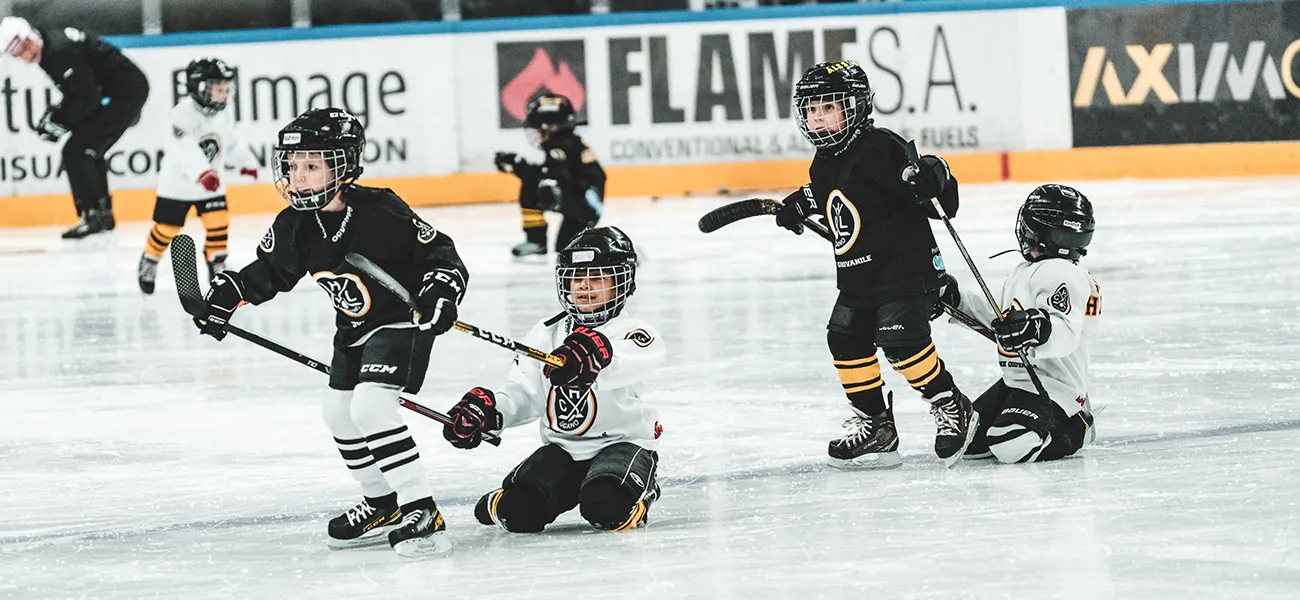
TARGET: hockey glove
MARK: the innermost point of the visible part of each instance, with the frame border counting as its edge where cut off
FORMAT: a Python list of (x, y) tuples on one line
[(223, 298), (475, 414), (548, 195), (794, 209), (927, 179), (949, 294), (1020, 328), (437, 302), (506, 161), (585, 352), (249, 172), (49, 130), (210, 180)]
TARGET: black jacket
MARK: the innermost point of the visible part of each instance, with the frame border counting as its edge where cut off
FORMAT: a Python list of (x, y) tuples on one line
[(572, 164), (376, 224), (884, 248), (87, 69)]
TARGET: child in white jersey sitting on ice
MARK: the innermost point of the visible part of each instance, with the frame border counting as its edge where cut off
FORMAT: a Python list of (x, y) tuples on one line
[(600, 437)]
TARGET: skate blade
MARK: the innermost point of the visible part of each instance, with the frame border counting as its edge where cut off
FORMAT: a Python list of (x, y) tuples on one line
[(436, 545), (971, 428), (374, 537), (980, 456), (881, 460)]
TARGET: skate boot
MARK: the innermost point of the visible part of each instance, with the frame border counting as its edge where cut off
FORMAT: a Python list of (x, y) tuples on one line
[(147, 273), (216, 265), (527, 249), (365, 523), (641, 510), (956, 423), (486, 509), (422, 533), (93, 220), (869, 441)]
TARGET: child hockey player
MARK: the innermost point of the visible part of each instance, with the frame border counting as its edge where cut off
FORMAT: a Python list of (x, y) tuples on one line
[(602, 461), (378, 351), (1050, 303), (887, 263), (570, 181), (202, 134)]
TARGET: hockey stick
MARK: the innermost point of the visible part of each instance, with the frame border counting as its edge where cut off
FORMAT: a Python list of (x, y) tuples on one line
[(185, 271), (914, 158), (377, 273), (753, 207)]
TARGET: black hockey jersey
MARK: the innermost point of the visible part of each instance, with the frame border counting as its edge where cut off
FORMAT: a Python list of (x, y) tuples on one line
[(884, 248), (86, 69), (376, 224), (572, 164)]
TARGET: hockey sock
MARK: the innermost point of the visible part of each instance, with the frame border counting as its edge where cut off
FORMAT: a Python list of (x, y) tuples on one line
[(337, 411), (217, 223), (859, 371), (159, 238), (374, 410), (534, 225), (924, 371)]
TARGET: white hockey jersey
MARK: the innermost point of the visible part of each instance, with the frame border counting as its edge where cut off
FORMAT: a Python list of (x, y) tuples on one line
[(1072, 300), (196, 143), (583, 422)]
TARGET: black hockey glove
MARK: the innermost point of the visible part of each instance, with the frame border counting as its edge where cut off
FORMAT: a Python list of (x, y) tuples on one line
[(475, 414), (794, 209), (1020, 328), (437, 302), (49, 130), (949, 294), (585, 352), (927, 179), (223, 298), (506, 161), (549, 195)]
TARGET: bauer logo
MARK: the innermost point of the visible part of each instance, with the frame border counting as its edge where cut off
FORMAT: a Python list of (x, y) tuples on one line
[(347, 291), (526, 70), (571, 410)]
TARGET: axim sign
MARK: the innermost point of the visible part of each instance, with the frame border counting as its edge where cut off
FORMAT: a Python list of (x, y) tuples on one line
[(526, 70), (1195, 76)]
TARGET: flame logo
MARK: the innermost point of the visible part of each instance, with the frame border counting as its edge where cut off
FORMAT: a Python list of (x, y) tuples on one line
[(539, 74)]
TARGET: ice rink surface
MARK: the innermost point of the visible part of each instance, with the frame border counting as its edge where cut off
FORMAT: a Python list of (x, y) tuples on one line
[(140, 460)]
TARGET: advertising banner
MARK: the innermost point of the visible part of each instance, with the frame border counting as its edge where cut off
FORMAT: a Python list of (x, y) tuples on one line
[(389, 83), (681, 93), (1185, 73)]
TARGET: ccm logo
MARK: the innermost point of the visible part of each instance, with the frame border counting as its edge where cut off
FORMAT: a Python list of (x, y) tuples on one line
[(378, 369)]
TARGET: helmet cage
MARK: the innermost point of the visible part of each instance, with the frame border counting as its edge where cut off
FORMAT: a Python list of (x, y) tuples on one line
[(341, 163), (854, 109), (621, 277)]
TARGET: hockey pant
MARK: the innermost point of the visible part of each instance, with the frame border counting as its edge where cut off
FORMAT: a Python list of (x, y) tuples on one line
[(902, 329), (169, 217), (361, 411), (580, 210), (607, 488), (1019, 426), (86, 151)]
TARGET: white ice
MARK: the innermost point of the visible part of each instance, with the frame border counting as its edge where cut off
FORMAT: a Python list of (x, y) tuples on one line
[(140, 460)]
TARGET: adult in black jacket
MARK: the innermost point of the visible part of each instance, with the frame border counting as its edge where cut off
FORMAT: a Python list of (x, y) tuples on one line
[(888, 266), (570, 181), (103, 92)]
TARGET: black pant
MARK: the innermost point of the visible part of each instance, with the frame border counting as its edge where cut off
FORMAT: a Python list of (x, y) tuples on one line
[(391, 356), (579, 212), (1016, 414), (550, 483), (84, 154)]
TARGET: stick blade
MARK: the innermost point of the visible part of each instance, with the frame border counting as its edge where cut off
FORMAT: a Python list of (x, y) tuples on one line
[(186, 273), (736, 211)]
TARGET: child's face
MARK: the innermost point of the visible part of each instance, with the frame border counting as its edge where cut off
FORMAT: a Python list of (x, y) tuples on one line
[(590, 290), (823, 115), (219, 91), (308, 171)]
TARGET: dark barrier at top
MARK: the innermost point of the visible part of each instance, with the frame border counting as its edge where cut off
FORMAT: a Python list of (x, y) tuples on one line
[(1185, 73)]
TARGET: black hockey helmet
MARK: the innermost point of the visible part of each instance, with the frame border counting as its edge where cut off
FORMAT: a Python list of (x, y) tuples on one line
[(1057, 221), (199, 77), (331, 135), (596, 253), (842, 84), (548, 114)]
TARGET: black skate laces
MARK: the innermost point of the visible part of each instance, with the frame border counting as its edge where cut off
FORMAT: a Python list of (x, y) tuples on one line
[(360, 513)]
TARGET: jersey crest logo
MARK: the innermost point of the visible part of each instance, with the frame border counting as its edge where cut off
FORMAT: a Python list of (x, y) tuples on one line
[(640, 337), (211, 146), (1060, 299), (424, 232), (844, 220), (558, 154), (571, 410), (268, 241), (347, 291)]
